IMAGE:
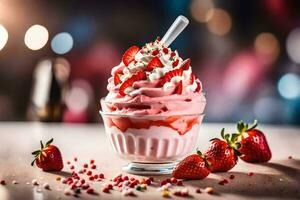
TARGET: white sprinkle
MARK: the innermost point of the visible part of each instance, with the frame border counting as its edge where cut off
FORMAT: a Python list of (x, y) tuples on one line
[(27, 183), (34, 182)]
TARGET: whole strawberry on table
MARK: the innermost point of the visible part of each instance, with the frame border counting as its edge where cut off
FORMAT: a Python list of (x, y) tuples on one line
[(48, 158), (249, 143)]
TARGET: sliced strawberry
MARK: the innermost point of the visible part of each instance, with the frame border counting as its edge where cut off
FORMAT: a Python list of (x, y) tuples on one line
[(158, 38), (117, 79), (169, 75), (199, 86), (141, 75), (155, 52), (128, 56), (192, 79), (178, 89), (186, 64), (175, 63), (155, 62)]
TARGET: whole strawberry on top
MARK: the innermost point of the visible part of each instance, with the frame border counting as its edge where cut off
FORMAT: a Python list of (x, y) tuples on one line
[(192, 167), (253, 144), (48, 158), (222, 155)]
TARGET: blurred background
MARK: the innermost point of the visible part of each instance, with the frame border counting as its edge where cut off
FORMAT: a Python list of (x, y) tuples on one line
[(56, 56)]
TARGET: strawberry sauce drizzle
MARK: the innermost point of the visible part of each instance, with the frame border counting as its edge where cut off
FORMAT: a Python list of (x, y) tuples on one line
[(124, 123)]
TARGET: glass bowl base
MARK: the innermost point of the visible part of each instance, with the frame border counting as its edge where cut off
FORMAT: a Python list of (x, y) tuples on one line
[(149, 168)]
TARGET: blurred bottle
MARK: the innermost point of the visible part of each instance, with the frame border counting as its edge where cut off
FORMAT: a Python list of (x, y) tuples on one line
[(50, 83)]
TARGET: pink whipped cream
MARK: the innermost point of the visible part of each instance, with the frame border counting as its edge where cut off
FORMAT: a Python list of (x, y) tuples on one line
[(149, 96)]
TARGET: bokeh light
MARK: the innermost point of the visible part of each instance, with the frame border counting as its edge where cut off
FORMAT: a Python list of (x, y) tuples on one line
[(62, 43), (220, 22), (3, 36), (289, 86), (267, 45), (36, 37), (202, 10), (293, 45)]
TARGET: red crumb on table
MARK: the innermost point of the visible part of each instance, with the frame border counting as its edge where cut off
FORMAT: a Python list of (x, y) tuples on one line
[(250, 174), (180, 183), (198, 190)]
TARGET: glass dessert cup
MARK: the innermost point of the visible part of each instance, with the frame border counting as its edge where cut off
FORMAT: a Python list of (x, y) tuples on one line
[(152, 143)]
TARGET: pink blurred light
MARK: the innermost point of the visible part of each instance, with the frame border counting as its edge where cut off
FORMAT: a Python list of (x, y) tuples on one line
[(242, 75)]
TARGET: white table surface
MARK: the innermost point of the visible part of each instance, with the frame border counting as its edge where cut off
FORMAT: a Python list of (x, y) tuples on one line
[(278, 179)]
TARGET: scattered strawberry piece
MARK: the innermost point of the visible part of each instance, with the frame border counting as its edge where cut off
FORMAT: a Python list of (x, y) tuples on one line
[(141, 75), (117, 79), (89, 173), (175, 63), (253, 144), (48, 158), (92, 161), (198, 190), (91, 178), (192, 79), (192, 167), (231, 176), (165, 50), (290, 157), (158, 38), (105, 190), (90, 191), (72, 167), (93, 167), (155, 52), (169, 75), (199, 86), (128, 56), (178, 89), (2, 182), (101, 175), (250, 174), (180, 183), (154, 63), (186, 64), (85, 165), (173, 54), (68, 162), (173, 180), (75, 159), (221, 155)]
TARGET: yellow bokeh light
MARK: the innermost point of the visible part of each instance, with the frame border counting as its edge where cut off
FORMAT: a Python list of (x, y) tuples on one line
[(3, 36), (36, 37), (220, 22), (267, 45), (202, 10)]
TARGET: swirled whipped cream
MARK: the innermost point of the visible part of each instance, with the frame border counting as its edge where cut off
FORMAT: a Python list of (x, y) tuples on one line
[(154, 76)]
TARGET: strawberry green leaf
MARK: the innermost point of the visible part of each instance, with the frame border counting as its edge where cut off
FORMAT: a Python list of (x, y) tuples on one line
[(222, 133), (42, 145), (234, 137), (49, 142), (36, 152), (254, 125), (32, 163)]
